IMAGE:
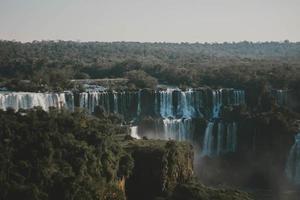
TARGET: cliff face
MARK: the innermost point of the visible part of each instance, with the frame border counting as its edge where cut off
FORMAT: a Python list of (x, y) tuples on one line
[(158, 167), (164, 170), (263, 145)]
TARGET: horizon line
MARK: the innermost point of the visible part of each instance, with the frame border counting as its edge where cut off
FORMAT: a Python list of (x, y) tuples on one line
[(150, 42)]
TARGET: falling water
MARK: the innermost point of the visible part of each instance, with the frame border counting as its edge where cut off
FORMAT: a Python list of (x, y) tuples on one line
[(281, 96), (177, 129), (231, 137), (293, 162), (208, 140), (239, 97), (27, 100), (217, 103), (224, 141), (166, 103), (220, 138), (134, 132), (177, 109), (115, 102), (139, 109), (186, 105)]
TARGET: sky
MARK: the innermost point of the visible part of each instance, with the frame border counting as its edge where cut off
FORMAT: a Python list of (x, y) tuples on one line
[(150, 20)]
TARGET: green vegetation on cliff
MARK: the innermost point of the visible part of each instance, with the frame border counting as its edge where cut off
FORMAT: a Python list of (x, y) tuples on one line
[(163, 170), (60, 155), (63, 155)]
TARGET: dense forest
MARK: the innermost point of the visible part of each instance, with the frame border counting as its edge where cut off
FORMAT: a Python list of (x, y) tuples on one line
[(59, 155), (51, 64)]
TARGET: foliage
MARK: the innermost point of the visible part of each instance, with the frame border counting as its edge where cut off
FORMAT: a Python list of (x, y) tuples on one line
[(141, 79), (196, 191), (50, 64), (59, 155)]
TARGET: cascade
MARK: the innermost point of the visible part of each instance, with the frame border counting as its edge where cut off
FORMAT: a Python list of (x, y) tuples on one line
[(115, 95), (70, 101), (293, 163), (224, 141), (156, 103), (116, 102), (177, 129), (208, 140), (175, 107), (166, 103), (134, 132), (139, 103), (220, 138), (216, 102), (231, 137), (188, 103), (186, 106), (281, 96), (239, 97), (27, 100)]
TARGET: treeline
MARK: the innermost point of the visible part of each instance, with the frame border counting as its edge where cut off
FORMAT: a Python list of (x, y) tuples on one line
[(51, 64)]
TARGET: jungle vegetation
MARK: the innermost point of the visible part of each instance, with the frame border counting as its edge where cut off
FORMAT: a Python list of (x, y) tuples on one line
[(51, 64)]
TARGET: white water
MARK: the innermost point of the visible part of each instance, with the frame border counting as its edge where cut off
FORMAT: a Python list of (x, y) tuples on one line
[(186, 104), (115, 102), (166, 103), (208, 140), (217, 103), (224, 141), (177, 129), (27, 100), (177, 109), (293, 163), (134, 132), (139, 109)]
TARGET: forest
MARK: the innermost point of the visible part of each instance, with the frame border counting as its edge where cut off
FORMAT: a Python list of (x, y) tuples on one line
[(50, 65)]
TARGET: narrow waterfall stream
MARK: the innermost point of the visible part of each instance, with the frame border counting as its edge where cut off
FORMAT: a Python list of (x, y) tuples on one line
[(293, 164)]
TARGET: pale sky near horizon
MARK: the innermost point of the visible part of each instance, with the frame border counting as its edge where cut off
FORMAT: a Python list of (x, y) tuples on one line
[(150, 20)]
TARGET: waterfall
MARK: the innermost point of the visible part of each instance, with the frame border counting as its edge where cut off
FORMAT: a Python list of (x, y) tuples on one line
[(186, 106), (223, 142), (139, 110), (115, 95), (176, 108), (281, 96), (231, 138), (177, 129), (83, 100), (134, 132), (293, 163), (70, 101), (27, 100), (166, 103), (216, 102), (156, 104), (239, 97), (220, 138), (208, 140)]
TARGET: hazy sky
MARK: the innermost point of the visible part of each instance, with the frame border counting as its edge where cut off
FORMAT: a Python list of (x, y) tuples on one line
[(150, 20)]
